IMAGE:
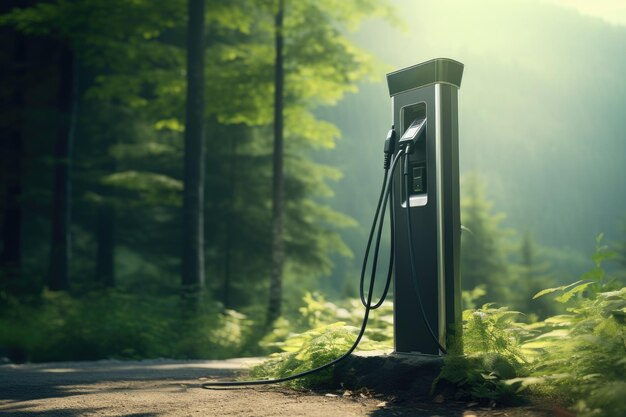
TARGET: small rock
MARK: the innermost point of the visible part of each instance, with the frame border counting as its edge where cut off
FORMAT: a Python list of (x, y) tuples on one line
[(382, 404), (331, 395), (347, 393), (439, 399)]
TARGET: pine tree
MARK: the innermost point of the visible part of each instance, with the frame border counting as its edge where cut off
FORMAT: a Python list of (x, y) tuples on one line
[(532, 277), (193, 178), (484, 250)]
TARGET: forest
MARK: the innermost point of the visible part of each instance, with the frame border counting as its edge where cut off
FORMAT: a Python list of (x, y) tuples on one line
[(195, 179)]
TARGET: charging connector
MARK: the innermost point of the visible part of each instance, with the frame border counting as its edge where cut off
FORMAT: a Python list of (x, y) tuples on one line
[(414, 133), (390, 146)]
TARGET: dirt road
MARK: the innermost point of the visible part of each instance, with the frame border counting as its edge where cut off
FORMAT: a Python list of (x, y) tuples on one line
[(172, 388)]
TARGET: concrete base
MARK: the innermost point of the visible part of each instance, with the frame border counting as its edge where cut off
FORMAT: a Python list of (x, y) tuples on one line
[(389, 373)]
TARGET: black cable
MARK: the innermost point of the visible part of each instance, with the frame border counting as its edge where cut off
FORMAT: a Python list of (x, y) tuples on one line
[(377, 249), (209, 385), (369, 240), (392, 232), (389, 148), (407, 189)]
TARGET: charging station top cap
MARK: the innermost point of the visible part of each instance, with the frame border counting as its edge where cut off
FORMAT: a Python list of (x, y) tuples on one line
[(440, 70)]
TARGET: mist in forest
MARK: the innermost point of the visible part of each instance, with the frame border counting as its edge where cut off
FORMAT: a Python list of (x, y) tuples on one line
[(541, 115)]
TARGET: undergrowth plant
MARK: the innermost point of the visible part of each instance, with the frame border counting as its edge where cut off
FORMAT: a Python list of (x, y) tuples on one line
[(577, 358), (306, 351), (326, 339), (111, 324), (491, 341), (580, 356)]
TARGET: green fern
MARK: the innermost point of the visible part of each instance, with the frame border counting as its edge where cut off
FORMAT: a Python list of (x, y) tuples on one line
[(491, 338), (306, 351), (326, 341), (581, 355)]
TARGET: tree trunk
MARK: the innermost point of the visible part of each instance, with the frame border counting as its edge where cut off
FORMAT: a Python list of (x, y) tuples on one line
[(193, 194), (278, 186), (105, 239), (67, 99), (226, 291), (11, 153)]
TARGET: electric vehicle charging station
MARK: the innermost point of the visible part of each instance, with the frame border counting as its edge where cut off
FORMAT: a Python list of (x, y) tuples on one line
[(424, 100)]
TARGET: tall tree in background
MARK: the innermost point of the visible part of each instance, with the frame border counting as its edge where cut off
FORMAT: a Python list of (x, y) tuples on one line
[(485, 250), (132, 127), (193, 177), (11, 158), (532, 278), (60, 245), (105, 240), (278, 177)]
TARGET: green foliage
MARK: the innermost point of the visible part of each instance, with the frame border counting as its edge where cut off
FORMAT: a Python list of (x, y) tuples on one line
[(150, 187), (492, 255), (580, 355), (308, 350), (577, 357), (592, 281), (620, 253), (493, 330), (484, 246), (469, 297), (316, 312), (128, 154), (479, 376), (491, 338), (324, 340), (111, 324), (531, 276)]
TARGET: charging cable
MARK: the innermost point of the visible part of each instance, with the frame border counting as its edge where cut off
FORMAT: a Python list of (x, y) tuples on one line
[(389, 148), (382, 202)]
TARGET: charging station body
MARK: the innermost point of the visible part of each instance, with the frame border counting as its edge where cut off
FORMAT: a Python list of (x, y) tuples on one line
[(428, 91)]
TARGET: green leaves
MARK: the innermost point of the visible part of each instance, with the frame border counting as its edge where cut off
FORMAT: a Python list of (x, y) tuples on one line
[(552, 290), (308, 350), (572, 289), (593, 279), (579, 355), (153, 188), (112, 324), (325, 338), (602, 253), (480, 377), (493, 330)]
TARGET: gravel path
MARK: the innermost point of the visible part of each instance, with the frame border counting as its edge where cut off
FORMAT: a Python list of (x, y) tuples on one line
[(172, 388)]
